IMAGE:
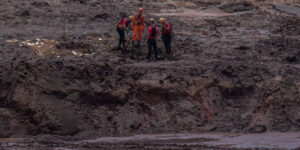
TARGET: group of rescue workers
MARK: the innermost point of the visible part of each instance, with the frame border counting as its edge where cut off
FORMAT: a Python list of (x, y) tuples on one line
[(137, 23)]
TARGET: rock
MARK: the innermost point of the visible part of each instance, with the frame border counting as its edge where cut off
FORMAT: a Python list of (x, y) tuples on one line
[(228, 71), (101, 16), (2, 35), (204, 32), (190, 4), (237, 7), (40, 4), (243, 47), (291, 59), (80, 1), (258, 129), (25, 13), (294, 58)]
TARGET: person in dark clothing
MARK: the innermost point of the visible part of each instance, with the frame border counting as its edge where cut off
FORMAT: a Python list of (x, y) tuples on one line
[(122, 38), (166, 34), (121, 29), (167, 42), (153, 32)]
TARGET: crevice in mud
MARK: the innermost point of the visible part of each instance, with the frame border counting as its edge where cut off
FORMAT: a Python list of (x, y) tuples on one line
[(99, 17), (236, 92), (207, 3), (294, 58), (24, 14), (79, 1), (154, 95), (40, 4), (99, 99)]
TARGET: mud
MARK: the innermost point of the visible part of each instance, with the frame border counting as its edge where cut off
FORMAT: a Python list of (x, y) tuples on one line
[(228, 72), (238, 7), (224, 141)]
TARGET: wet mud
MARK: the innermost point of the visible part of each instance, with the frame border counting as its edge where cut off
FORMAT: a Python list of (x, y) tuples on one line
[(234, 68), (224, 141), (238, 7)]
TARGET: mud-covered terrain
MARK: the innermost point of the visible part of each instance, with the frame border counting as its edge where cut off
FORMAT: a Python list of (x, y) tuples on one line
[(235, 67)]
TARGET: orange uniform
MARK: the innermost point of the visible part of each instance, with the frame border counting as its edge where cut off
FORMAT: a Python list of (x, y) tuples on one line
[(138, 26)]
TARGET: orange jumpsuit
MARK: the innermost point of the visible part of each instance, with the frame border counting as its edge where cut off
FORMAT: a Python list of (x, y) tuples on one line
[(138, 26)]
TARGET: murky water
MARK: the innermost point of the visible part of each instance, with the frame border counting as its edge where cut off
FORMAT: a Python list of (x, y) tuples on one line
[(289, 9), (287, 140)]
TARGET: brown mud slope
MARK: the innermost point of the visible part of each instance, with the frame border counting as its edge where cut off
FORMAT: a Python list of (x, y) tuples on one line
[(230, 72)]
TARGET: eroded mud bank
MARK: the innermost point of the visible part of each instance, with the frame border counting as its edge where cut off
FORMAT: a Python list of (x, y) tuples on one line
[(232, 71)]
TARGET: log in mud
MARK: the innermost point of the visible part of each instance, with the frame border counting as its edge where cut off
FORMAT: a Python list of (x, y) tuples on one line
[(234, 68)]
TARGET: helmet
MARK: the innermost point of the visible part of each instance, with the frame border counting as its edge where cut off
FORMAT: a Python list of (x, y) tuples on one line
[(131, 18), (161, 20), (151, 20), (141, 9)]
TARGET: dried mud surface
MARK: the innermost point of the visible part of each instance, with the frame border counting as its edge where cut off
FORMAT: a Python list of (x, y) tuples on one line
[(237, 72)]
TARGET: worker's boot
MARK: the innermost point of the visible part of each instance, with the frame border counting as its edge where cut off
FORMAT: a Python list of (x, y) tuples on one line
[(169, 51), (124, 47), (119, 45)]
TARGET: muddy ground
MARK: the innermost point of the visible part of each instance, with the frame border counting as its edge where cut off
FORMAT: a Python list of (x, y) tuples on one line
[(235, 68)]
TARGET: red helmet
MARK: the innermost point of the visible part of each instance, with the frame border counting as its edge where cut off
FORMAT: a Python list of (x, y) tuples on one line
[(141, 9)]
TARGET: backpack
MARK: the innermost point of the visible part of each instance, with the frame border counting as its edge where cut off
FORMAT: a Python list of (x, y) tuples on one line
[(120, 25), (140, 19), (171, 31), (153, 34)]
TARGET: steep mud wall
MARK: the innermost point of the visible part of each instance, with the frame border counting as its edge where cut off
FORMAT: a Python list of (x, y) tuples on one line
[(67, 97)]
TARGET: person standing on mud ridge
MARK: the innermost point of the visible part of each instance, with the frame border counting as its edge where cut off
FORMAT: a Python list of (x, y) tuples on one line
[(121, 28), (153, 32), (129, 29), (138, 26), (166, 34)]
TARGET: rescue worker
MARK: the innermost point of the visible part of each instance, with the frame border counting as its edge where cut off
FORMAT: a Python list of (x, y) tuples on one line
[(138, 26), (153, 32), (121, 28), (166, 34), (131, 20), (129, 28)]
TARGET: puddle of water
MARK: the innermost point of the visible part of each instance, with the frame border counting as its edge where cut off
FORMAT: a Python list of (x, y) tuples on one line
[(198, 13), (286, 140), (296, 66), (288, 9), (192, 13), (266, 140)]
